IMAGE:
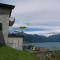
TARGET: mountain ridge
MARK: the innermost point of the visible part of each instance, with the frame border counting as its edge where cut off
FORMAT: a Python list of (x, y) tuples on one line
[(40, 38)]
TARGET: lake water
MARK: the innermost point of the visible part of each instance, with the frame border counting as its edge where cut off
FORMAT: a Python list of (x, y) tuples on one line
[(49, 45)]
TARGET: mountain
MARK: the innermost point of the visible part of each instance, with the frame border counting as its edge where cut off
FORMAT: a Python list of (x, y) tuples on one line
[(54, 38), (28, 38)]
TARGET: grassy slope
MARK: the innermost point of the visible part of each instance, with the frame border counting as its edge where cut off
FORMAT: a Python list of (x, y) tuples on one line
[(7, 53), (56, 55)]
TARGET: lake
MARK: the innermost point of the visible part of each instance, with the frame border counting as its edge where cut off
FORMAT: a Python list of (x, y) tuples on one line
[(49, 45)]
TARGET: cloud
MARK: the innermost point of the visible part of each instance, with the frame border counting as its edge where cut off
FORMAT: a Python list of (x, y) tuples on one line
[(35, 12)]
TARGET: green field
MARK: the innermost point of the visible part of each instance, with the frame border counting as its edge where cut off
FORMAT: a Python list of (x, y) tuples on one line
[(7, 53), (55, 55)]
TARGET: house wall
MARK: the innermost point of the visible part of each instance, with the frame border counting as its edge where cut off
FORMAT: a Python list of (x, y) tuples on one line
[(5, 25), (4, 11), (15, 42), (4, 19)]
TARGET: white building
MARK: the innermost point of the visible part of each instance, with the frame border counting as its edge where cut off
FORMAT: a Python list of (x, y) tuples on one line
[(5, 13)]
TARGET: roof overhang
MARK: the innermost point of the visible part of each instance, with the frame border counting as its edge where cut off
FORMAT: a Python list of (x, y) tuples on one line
[(6, 6)]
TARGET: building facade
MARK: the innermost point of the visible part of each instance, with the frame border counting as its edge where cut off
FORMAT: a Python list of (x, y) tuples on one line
[(5, 13)]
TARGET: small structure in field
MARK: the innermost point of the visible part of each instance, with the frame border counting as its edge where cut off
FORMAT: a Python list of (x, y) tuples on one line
[(5, 13)]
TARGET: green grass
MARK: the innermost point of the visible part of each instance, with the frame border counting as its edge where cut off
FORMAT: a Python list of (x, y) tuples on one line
[(56, 55), (7, 53)]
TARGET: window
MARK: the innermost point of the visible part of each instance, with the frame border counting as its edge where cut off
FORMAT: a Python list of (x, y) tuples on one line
[(0, 26)]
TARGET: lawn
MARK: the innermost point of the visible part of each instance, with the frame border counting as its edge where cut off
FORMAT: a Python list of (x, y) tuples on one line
[(7, 53)]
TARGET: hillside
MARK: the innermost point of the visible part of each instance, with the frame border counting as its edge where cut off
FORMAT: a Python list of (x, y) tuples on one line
[(7, 53), (28, 38)]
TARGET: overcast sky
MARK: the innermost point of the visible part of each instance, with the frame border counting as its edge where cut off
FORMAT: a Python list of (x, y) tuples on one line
[(35, 12)]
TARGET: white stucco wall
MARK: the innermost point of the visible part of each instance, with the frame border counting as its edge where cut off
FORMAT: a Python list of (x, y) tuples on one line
[(15, 42), (5, 25)]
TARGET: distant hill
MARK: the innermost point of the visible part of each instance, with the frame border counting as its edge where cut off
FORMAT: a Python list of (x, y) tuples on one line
[(28, 38), (54, 38)]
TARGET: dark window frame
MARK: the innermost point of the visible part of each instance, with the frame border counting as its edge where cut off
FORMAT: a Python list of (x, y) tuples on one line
[(0, 26)]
